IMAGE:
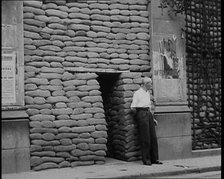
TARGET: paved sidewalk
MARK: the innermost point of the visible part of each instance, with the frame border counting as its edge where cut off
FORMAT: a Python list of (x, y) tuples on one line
[(119, 169)]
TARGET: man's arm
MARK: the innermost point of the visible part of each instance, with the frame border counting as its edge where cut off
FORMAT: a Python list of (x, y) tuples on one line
[(153, 109), (155, 121), (134, 103), (133, 111)]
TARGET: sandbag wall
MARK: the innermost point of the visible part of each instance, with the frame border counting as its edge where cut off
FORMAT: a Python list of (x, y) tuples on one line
[(123, 141), (67, 120), (203, 41), (95, 34)]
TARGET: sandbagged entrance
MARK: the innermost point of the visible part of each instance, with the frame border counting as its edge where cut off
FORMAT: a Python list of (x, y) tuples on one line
[(65, 45), (85, 117), (117, 90)]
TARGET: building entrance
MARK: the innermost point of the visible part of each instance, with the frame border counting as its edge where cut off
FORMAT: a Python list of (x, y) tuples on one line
[(117, 91), (107, 82)]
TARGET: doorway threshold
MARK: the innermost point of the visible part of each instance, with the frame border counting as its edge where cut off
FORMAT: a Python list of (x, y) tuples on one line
[(114, 161)]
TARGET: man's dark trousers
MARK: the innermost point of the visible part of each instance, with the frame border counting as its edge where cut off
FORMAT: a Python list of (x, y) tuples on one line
[(147, 134)]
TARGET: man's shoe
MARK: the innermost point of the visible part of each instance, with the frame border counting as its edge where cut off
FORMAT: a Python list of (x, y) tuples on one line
[(157, 162), (147, 163)]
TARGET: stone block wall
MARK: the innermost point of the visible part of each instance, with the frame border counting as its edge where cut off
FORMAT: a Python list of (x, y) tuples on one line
[(15, 144), (67, 117)]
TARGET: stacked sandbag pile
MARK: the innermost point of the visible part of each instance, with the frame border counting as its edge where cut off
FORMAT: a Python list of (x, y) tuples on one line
[(204, 72), (123, 142), (120, 35), (206, 112), (93, 34), (102, 34), (67, 122)]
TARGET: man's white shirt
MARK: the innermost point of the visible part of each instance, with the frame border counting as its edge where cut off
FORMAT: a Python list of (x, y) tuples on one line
[(141, 99)]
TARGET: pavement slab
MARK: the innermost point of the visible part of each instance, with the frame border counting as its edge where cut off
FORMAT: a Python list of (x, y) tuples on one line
[(114, 168)]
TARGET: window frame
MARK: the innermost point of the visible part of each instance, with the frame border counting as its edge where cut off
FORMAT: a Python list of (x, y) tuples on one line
[(14, 22)]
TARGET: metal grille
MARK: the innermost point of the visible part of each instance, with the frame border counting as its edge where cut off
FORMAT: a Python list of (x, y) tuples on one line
[(203, 47)]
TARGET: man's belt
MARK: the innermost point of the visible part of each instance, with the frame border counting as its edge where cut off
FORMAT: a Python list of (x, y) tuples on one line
[(142, 109)]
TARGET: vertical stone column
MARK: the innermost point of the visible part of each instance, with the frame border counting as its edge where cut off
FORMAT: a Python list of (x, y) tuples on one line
[(14, 120), (169, 83)]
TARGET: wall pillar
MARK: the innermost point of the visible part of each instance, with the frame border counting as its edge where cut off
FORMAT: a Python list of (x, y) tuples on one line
[(15, 142), (14, 120), (169, 83)]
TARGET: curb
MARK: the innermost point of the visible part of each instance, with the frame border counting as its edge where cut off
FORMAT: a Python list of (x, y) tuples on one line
[(166, 173), (184, 171), (209, 169)]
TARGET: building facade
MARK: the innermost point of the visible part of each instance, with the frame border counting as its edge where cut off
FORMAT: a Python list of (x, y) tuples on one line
[(80, 63)]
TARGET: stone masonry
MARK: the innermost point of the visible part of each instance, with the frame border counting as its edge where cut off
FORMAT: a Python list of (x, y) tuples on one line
[(204, 72)]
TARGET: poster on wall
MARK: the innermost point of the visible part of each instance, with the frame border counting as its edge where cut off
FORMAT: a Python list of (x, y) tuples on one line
[(8, 78), (168, 71), (168, 65)]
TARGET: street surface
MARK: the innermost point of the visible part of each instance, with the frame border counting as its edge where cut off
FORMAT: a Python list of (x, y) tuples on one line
[(209, 175)]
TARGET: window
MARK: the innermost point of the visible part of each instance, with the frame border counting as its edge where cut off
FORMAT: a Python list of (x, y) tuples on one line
[(12, 54)]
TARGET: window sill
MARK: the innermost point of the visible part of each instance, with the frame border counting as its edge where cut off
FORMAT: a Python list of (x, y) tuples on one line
[(12, 108), (14, 113)]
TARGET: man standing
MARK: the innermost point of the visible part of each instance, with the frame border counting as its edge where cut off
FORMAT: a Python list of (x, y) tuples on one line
[(141, 105)]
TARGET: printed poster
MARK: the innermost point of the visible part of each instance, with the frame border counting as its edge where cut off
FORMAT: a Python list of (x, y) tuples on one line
[(8, 79), (169, 65)]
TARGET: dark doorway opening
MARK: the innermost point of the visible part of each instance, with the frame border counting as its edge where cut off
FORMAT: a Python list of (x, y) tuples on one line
[(107, 82)]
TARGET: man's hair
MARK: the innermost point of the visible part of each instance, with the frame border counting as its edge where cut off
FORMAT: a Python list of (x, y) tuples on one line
[(146, 80)]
